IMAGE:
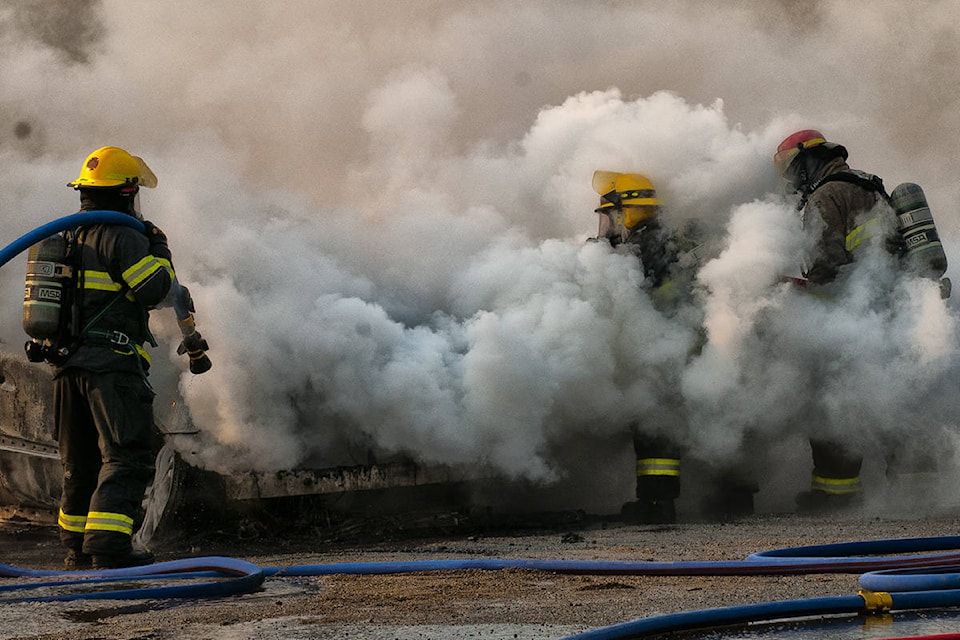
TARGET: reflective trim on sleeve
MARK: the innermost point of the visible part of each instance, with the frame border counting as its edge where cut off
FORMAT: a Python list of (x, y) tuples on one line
[(143, 353), (658, 467), (138, 349), (861, 233), (168, 266), (142, 271)]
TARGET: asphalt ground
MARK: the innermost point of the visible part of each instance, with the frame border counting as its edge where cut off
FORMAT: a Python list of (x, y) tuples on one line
[(507, 603)]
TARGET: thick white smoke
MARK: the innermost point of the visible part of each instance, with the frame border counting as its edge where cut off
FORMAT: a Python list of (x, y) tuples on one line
[(381, 212)]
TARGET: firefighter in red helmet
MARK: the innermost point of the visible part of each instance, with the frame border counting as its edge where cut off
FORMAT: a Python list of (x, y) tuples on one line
[(836, 194), (852, 210)]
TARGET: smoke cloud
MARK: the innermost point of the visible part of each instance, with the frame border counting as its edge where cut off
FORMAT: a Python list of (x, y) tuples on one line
[(382, 211)]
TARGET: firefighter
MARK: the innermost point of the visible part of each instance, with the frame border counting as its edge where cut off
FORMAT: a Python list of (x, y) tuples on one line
[(629, 215), (629, 219), (852, 209), (103, 404)]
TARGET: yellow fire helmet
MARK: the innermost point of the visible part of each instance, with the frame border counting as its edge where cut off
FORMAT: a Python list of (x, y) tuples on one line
[(631, 192), (113, 167)]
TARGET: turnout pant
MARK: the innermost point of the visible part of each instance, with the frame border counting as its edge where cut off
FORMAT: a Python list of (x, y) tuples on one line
[(105, 428), (658, 467), (836, 469)]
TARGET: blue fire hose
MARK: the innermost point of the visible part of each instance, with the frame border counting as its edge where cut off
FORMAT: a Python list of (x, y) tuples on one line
[(922, 581), (235, 577), (930, 582), (84, 218), (847, 557), (896, 582), (71, 221)]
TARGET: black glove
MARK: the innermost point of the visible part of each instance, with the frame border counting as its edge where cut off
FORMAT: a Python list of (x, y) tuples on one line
[(158, 240), (196, 347), (193, 342)]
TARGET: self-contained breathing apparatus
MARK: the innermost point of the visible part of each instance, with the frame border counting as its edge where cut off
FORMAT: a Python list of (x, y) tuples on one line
[(109, 184), (51, 309), (921, 249), (49, 315)]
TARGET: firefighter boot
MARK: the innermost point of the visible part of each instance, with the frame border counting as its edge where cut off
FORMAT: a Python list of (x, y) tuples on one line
[(731, 501), (814, 501), (77, 560), (649, 512), (658, 482), (132, 558), (835, 483)]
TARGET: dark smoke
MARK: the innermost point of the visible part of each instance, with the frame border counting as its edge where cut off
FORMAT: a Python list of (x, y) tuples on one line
[(71, 29)]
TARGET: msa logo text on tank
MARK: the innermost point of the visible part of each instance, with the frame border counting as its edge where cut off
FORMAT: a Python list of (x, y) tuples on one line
[(48, 294), (913, 241)]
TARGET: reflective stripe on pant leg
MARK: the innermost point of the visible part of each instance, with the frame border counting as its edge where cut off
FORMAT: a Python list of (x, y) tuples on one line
[(121, 405), (836, 486), (79, 451), (658, 467), (73, 524), (105, 521)]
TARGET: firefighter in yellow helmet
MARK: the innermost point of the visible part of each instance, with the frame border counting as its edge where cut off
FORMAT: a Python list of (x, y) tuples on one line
[(103, 404), (851, 208), (629, 219)]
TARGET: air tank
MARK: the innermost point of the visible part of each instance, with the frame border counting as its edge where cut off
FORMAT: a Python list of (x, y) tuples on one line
[(915, 223), (46, 277)]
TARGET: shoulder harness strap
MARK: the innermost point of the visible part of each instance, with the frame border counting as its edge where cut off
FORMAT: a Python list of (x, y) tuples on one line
[(862, 179)]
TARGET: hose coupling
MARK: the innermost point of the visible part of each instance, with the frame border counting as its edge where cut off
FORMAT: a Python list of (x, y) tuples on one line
[(876, 602)]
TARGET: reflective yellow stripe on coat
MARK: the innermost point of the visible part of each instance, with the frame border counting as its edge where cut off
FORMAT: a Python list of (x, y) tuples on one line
[(861, 233), (99, 280)]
